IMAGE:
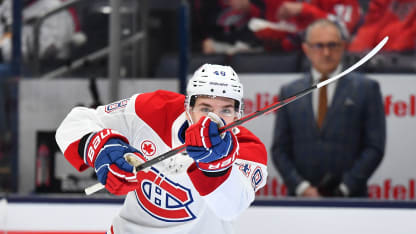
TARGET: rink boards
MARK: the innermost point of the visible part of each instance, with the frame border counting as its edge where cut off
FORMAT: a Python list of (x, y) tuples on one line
[(91, 216)]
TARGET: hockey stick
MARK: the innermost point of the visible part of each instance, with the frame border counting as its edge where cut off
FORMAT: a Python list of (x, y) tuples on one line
[(272, 107)]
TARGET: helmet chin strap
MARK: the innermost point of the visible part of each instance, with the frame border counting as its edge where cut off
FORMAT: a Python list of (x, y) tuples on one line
[(190, 122), (187, 107)]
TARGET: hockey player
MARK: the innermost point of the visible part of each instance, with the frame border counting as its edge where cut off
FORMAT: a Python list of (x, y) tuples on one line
[(200, 191)]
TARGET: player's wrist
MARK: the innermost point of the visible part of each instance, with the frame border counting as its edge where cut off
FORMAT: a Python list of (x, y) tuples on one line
[(83, 142), (216, 173)]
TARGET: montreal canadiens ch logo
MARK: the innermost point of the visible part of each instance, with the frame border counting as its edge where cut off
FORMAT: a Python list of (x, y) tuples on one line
[(162, 198), (148, 148)]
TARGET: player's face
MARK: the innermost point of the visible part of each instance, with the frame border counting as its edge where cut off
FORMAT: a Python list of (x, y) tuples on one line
[(324, 48), (221, 106)]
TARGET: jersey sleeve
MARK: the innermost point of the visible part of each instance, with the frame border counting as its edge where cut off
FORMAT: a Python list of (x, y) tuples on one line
[(156, 110), (232, 193), (81, 121)]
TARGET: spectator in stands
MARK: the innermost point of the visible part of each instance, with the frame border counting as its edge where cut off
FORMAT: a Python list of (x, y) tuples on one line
[(330, 142), (393, 18), (57, 31), (289, 18), (220, 26)]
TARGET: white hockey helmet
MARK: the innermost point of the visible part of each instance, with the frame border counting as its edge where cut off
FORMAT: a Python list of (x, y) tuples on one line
[(215, 80)]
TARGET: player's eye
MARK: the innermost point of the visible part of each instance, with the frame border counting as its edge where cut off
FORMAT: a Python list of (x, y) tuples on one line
[(203, 110), (227, 112)]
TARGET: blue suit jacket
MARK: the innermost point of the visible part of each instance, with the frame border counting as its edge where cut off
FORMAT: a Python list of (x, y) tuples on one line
[(349, 146)]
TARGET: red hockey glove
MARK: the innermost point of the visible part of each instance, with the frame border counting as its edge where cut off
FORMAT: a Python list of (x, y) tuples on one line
[(211, 151), (105, 152)]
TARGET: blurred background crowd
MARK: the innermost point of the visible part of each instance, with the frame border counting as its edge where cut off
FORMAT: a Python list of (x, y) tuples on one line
[(216, 30)]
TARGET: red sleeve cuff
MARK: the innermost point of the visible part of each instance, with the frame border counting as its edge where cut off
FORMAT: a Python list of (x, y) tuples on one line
[(71, 154), (205, 184)]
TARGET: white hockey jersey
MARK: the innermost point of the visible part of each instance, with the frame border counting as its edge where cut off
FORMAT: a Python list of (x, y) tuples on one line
[(174, 196)]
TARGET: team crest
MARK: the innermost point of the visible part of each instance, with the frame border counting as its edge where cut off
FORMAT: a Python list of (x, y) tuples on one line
[(148, 148), (162, 198)]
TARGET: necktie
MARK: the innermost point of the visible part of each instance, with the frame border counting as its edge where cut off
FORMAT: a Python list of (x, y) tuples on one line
[(322, 104)]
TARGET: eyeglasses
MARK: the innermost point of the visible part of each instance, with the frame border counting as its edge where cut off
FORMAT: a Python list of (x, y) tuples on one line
[(224, 112), (321, 46)]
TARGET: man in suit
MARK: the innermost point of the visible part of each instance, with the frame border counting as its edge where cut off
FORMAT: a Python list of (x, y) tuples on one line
[(330, 142)]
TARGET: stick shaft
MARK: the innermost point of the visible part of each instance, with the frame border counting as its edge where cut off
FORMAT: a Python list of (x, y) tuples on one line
[(272, 107)]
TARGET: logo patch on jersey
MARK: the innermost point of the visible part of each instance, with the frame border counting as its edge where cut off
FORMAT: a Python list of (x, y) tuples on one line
[(162, 198), (148, 148), (256, 178), (116, 105), (245, 168)]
